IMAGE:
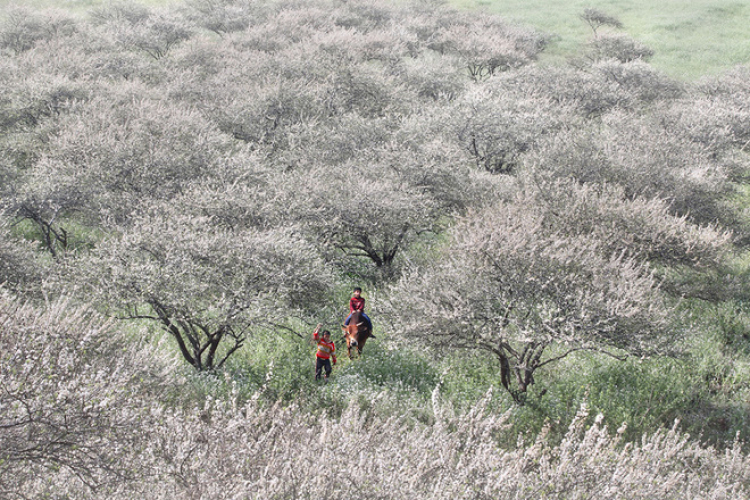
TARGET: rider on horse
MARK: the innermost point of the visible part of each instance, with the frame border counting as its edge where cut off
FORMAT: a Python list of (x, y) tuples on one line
[(357, 303)]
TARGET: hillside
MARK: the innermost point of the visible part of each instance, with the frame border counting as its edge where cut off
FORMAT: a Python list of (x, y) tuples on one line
[(553, 252)]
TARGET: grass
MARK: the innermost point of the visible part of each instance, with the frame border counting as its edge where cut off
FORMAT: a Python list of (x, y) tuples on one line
[(690, 40)]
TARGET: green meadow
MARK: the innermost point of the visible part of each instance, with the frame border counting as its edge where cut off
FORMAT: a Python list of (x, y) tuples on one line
[(689, 39)]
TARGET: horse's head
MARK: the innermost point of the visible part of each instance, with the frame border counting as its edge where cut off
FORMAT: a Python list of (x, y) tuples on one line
[(351, 335)]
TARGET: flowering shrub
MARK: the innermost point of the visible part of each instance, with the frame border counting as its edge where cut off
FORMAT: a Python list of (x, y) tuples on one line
[(84, 414), (271, 451), (277, 453), (75, 398)]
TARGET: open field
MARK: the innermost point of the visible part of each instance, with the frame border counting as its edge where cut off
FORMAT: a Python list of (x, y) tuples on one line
[(690, 39)]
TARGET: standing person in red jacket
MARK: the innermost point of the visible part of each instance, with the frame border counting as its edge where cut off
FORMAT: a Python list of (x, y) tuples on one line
[(324, 354), (357, 303)]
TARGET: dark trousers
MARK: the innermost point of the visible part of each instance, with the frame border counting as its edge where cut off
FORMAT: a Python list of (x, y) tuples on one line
[(320, 365), (364, 316)]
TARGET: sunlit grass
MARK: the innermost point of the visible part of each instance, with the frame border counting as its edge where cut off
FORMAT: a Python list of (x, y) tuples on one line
[(690, 39)]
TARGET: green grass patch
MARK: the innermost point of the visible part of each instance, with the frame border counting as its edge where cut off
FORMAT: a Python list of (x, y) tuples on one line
[(690, 40)]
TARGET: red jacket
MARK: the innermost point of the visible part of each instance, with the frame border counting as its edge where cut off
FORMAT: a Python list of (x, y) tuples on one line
[(356, 304), (326, 350)]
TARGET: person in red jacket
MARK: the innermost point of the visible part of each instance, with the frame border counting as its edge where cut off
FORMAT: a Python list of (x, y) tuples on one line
[(326, 352), (357, 303)]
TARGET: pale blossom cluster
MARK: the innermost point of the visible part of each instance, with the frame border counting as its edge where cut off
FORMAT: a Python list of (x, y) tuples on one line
[(84, 415)]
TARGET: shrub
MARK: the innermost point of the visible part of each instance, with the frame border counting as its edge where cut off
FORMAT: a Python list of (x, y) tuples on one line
[(596, 18), (619, 47), (208, 286), (260, 451), (219, 16), (73, 404), (497, 128), (21, 269), (118, 150), (21, 29)]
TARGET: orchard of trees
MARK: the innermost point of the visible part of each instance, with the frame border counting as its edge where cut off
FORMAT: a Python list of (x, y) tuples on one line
[(186, 191)]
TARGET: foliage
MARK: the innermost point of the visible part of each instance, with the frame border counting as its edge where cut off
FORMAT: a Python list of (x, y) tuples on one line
[(341, 208), (226, 170), (22, 29), (595, 18), (520, 277), (260, 450), (20, 267), (129, 443), (455, 457), (205, 284), (619, 47), (72, 398)]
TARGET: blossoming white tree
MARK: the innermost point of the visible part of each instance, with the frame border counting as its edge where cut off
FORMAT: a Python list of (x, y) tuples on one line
[(208, 285), (74, 406), (535, 279)]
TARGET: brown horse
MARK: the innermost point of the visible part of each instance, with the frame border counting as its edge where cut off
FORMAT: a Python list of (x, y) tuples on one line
[(356, 333)]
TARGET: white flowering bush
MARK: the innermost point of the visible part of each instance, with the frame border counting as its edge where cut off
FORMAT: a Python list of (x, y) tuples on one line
[(20, 267), (209, 286), (551, 269), (84, 415), (72, 401)]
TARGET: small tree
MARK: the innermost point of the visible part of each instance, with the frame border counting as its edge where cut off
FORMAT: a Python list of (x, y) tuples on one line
[(531, 283), (620, 47), (207, 285), (370, 211), (109, 162), (496, 128), (219, 16), (486, 45), (21, 29), (153, 32), (595, 18)]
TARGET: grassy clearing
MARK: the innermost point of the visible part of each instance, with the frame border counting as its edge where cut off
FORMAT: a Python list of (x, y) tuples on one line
[(690, 40)]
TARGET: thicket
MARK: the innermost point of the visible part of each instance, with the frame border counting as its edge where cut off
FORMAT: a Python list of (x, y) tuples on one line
[(214, 177), (80, 422)]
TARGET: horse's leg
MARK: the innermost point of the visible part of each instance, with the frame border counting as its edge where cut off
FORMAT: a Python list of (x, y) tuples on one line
[(361, 344)]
